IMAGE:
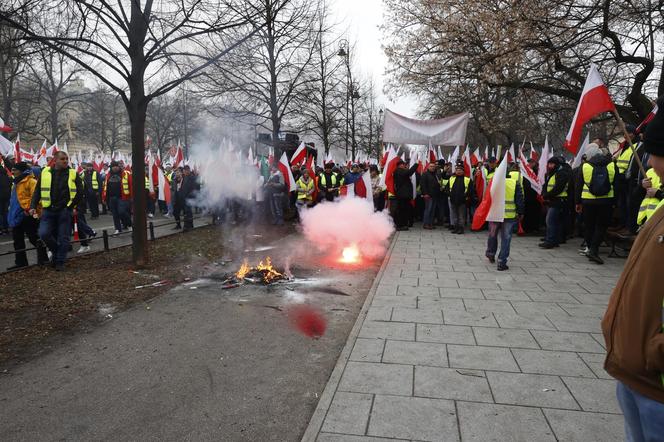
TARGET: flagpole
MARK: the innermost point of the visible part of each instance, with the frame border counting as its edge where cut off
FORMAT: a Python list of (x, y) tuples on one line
[(628, 140)]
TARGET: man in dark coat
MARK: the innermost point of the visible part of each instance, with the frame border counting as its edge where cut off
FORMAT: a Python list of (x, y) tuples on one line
[(403, 188), (430, 188)]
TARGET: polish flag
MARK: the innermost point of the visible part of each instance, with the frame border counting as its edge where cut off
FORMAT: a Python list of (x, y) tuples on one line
[(17, 149), (432, 155), (466, 162), (6, 146), (328, 158), (544, 158), (363, 186), (595, 99), (4, 127), (285, 170), (510, 154), (492, 207), (486, 153), (533, 153), (179, 157), (300, 154), (413, 179), (309, 165), (579, 155), (440, 154), (387, 179), (528, 173), (455, 156), (480, 181), (641, 126), (164, 187), (270, 156), (475, 157), (386, 154)]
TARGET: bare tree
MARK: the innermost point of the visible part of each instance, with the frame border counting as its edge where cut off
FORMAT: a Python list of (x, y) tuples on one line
[(140, 50), (264, 78), (105, 124)]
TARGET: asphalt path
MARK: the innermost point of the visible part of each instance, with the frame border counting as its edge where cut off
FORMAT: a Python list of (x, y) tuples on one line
[(162, 226), (198, 363)]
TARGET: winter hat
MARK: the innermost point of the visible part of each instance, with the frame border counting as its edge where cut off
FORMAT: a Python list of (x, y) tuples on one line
[(653, 139), (592, 150), (21, 166), (114, 164)]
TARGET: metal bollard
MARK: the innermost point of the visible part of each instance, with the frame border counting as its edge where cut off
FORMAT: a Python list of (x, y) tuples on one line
[(105, 237), (151, 227)]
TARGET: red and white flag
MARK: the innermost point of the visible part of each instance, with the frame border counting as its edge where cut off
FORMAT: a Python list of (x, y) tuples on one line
[(647, 120), (363, 186), (387, 179), (285, 170), (528, 173), (475, 157), (455, 156), (595, 99), (440, 154), (300, 154), (582, 150), (486, 153), (543, 160), (492, 207), (4, 127), (178, 160), (164, 187), (17, 149), (467, 162), (6, 146), (511, 157), (533, 153)]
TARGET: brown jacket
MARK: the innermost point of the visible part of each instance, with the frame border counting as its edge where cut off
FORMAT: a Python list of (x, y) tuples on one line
[(632, 324)]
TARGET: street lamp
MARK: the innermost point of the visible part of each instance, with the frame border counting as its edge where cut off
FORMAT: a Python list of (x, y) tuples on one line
[(352, 94), (379, 134)]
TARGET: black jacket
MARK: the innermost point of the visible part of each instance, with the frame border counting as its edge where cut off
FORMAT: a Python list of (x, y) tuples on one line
[(458, 192), (563, 175), (59, 190), (5, 186), (429, 184), (403, 187)]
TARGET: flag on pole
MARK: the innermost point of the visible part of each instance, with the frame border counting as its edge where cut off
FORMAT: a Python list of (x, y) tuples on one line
[(455, 156), (544, 158), (528, 173), (466, 162), (300, 154), (4, 127), (475, 157), (579, 155), (492, 207), (595, 99), (387, 179), (285, 170), (164, 187)]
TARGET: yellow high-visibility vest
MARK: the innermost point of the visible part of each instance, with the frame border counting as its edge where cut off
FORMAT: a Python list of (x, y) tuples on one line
[(45, 190), (649, 205), (323, 181), (625, 157), (510, 198), (587, 170), (95, 181), (466, 182), (552, 183), (303, 189)]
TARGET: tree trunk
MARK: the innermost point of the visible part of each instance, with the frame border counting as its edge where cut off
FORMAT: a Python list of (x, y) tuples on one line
[(137, 114)]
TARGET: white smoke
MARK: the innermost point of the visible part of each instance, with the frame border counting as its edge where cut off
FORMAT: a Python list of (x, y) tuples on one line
[(224, 174), (332, 226)]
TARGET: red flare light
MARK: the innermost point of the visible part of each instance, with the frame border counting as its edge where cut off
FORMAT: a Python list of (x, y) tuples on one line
[(308, 321), (350, 255)]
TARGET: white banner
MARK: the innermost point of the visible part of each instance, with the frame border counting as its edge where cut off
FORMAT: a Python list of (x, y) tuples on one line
[(448, 131)]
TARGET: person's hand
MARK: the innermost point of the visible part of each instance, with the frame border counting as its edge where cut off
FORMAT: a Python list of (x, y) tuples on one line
[(32, 212), (651, 192), (426, 197), (579, 208), (646, 183)]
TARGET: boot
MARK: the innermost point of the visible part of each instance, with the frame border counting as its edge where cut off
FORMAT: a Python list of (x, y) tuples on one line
[(460, 230)]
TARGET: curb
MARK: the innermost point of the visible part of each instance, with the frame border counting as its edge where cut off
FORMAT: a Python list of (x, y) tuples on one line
[(316, 421)]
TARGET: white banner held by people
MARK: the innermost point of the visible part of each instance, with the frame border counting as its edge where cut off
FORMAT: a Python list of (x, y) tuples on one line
[(448, 131)]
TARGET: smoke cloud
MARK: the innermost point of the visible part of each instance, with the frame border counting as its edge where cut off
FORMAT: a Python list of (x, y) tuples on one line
[(347, 222), (224, 174)]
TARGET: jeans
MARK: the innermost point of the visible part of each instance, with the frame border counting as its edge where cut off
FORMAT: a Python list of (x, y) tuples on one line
[(28, 227), (554, 227), (93, 203), (54, 230), (644, 420), (429, 210), (120, 211), (276, 208), (596, 219), (458, 213), (505, 230), (84, 229)]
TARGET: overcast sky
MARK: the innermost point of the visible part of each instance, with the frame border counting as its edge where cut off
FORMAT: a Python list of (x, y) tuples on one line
[(362, 19)]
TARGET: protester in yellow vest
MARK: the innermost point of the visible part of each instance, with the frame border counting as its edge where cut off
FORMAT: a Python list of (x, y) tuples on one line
[(633, 325), (90, 180), (514, 208), (459, 192), (654, 195), (555, 197), (595, 197), (305, 190), (59, 190)]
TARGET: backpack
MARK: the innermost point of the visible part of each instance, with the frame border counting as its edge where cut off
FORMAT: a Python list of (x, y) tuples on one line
[(600, 184)]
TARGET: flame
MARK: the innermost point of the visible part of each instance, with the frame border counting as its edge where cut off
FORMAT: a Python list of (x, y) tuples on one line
[(244, 269), (269, 272), (350, 255)]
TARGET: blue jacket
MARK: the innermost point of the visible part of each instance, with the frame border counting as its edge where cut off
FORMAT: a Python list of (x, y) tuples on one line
[(16, 212), (351, 177)]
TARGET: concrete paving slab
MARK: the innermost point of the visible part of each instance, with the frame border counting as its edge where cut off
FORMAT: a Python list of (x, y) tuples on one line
[(367, 350), (415, 353), (597, 395), (388, 330), (369, 377), (530, 389), (447, 334), (414, 418), (348, 413), (451, 383), (483, 358), (498, 423), (504, 337), (567, 341), (457, 317), (422, 316), (577, 426), (559, 363)]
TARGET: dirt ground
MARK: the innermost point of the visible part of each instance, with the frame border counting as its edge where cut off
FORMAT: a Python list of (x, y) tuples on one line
[(194, 363)]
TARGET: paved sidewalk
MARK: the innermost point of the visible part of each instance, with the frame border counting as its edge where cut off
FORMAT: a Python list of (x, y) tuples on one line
[(447, 348)]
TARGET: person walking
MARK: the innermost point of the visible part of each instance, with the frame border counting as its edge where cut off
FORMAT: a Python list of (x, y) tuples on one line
[(117, 195), (633, 325), (514, 209), (20, 220), (91, 185), (430, 188), (555, 197), (595, 197), (59, 189)]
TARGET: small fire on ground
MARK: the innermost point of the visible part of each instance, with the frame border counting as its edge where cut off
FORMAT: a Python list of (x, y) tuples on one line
[(263, 273), (350, 255)]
